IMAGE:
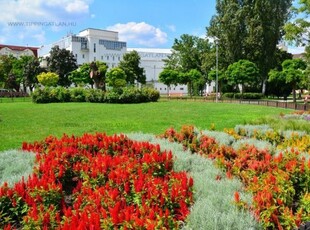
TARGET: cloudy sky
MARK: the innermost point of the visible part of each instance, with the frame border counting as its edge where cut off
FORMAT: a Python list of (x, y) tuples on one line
[(141, 23)]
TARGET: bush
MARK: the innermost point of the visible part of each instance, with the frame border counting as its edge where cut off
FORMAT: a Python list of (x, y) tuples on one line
[(78, 94), (243, 96), (120, 95)]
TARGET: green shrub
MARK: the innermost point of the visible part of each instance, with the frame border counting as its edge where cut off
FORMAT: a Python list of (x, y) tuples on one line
[(95, 95), (243, 96), (41, 95), (78, 94), (119, 95)]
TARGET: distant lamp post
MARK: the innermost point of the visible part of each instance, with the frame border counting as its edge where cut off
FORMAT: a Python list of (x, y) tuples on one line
[(216, 40)]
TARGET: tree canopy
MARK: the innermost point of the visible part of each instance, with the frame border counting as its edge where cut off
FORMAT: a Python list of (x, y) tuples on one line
[(131, 66), (241, 73), (62, 62), (250, 30)]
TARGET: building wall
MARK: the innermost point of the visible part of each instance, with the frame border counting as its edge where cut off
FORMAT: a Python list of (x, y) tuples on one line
[(92, 45), (17, 52)]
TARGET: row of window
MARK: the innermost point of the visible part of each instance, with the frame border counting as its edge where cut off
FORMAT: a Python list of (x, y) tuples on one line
[(102, 57), (78, 39), (170, 88), (112, 45)]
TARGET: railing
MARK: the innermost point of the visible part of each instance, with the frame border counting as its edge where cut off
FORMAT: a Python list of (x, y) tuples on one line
[(278, 104)]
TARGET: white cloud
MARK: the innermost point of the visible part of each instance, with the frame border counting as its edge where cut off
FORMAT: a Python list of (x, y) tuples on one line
[(171, 28), (77, 6), (28, 20), (140, 33)]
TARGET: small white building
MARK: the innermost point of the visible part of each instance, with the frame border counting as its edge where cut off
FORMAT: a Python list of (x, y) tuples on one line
[(91, 45), (152, 60)]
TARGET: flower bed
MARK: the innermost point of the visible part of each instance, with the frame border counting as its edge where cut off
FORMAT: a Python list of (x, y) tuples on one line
[(279, 183), (97, 182)]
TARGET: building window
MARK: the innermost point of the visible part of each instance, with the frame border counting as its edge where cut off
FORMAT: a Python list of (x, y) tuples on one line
[(108, 57), (94, 47), (181, 88), (94, 58), (83, 56), (119, 58), (75, 56), (101, 57), (113, 58)]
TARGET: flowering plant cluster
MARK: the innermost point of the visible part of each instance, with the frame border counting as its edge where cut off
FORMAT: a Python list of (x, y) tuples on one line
[(279, 183), (97, 182)]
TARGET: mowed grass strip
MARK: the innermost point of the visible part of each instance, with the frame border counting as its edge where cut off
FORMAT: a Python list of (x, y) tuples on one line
[(26, 121)]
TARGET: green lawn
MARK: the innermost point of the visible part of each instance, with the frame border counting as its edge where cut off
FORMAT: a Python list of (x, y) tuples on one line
[(26, 121)]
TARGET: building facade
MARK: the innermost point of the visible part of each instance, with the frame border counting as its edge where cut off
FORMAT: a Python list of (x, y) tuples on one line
[(152, 61), (103, 45), (18, 51), (91, 45)]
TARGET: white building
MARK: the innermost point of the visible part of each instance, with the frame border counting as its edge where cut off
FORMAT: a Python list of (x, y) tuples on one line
[(91, 45), (103, 45), (152, 60)]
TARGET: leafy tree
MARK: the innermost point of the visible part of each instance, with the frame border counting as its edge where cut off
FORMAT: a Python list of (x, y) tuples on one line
[(81, 75), (189, 78), (241, 73), (250, 30), (48, 79), (31, 68), (221, 78), (298, 30), (98, 72), (62, 62), (6, 65), (116, 78), (277, 84), (169, 77), (131, 66), (294, 73)]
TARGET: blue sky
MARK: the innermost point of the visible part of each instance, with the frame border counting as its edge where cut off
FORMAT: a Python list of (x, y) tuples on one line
[(141, 23)]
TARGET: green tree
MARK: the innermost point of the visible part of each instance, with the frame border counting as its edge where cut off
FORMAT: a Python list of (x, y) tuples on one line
[(169, 77), (294, 72), (62, 62), (298, 30), (48, 79), (81, 76), (242, 73), (278, 85), (116, 78), (6, 66), (131, 66), (98, 72), (188, 78), (31, 68), (250, 30)]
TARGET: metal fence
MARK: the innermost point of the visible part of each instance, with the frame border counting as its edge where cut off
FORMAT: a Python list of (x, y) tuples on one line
[(278, 104)]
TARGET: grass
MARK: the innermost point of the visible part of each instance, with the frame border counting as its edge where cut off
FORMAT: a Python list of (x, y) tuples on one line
[(26, 121)]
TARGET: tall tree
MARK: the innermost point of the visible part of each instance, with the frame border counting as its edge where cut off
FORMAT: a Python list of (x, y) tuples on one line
[(249, 29), (298, 30), (169, 77), (241, 73), (131, 66), (294, 73), (6, 65), (98, 72), (31, 68), (62, 62)]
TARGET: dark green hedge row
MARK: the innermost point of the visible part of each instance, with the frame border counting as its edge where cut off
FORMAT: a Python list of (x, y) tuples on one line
[(243, 96), (124, 95)]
